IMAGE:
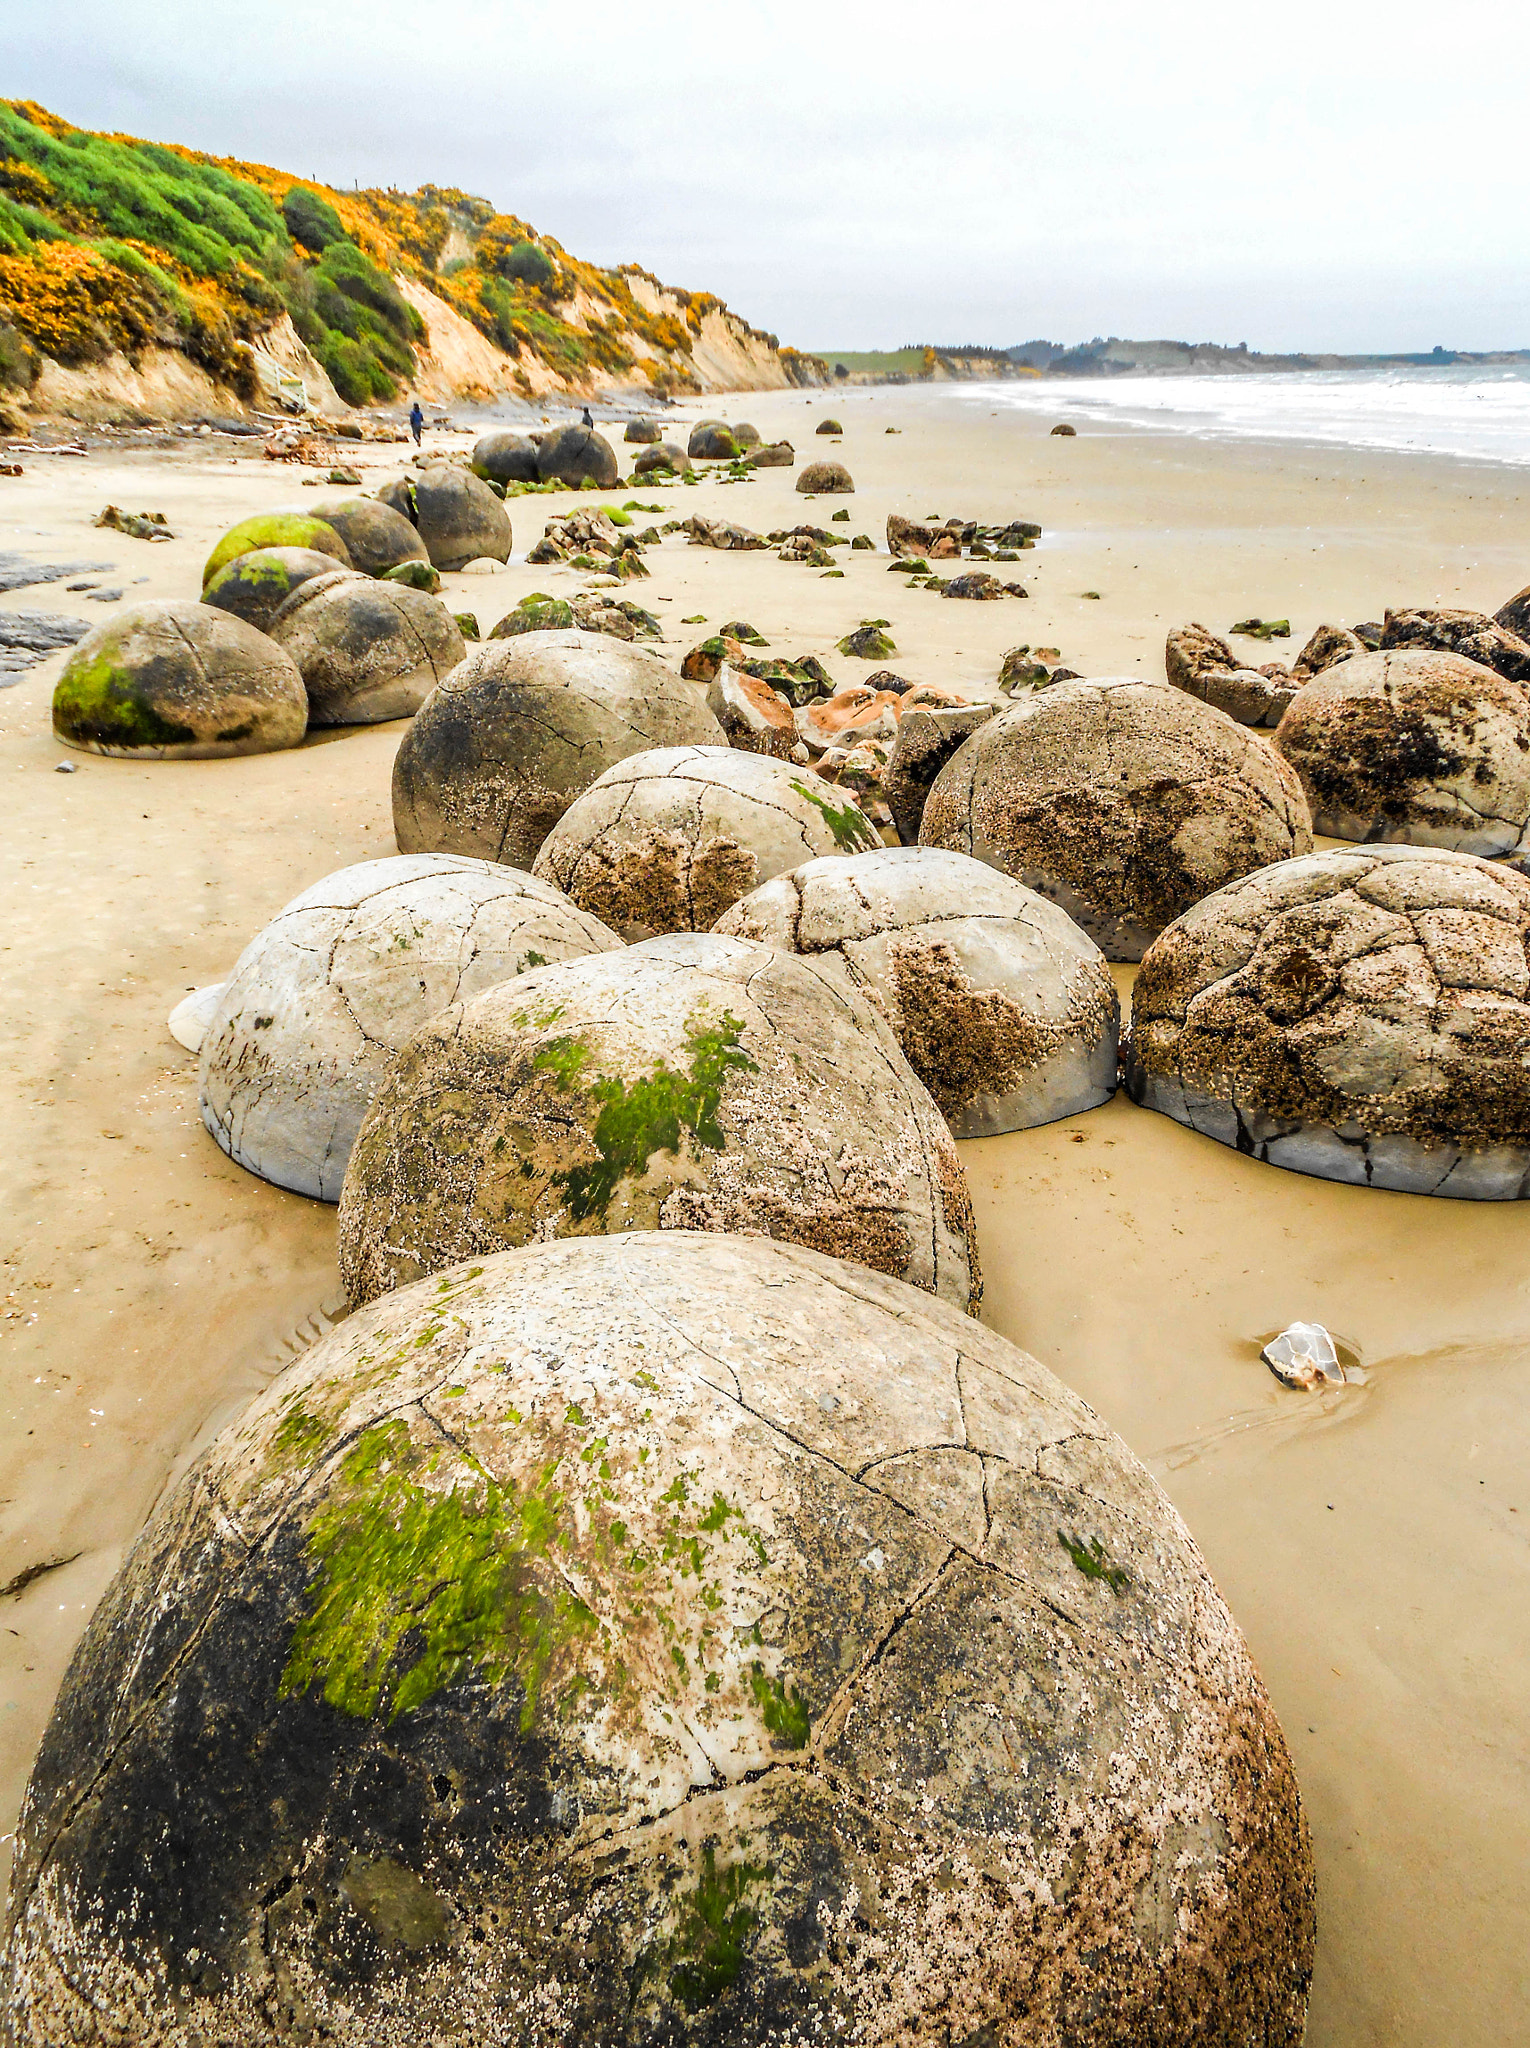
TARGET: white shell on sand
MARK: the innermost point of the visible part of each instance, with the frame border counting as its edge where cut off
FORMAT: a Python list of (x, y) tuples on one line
[(342, 978), (1004, 1008), (191, 1016)]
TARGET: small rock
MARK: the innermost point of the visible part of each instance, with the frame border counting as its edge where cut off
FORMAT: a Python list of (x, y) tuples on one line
[(868, 643), (829, 427), (467, 625), (1303, 1356), (1253, 629), (1063, 428), (772, 455)]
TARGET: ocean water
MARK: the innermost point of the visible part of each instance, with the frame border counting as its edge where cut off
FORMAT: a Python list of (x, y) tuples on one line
[(1482, 414)]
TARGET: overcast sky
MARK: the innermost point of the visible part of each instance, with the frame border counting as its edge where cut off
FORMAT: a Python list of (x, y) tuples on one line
[(1319, 173)]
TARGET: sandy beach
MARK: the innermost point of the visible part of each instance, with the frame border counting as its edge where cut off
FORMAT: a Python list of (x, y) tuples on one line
[(1373, 1542)]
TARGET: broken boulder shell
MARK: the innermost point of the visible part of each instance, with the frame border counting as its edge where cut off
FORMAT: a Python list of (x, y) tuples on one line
[(517, 730), (666, 840), (1004, 1009), (1123, 801), (943, 1732), (454, 512), (1203, 665), (1359, 1015), (690, 1083), (367, 651), (340, 980)]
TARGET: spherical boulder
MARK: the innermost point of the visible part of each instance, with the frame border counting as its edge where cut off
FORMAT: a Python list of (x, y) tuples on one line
[(666, 840), (367, 651), (377, 537), (664, 1638), (179, 681), (643, 431), (339, 982), (825, 479), (746, 435), (580, 457), (505, 457), (254, 587), (520, 728), (668, 455), (455, 513), (1424, 747), (1123, 801), (829, 427), (689, 1083), (712, 441), (276, 530), (1003, 1007), (1362, 1016)]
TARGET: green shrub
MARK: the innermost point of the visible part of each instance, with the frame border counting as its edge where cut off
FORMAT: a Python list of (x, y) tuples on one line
[(527, 264), (311, 221)]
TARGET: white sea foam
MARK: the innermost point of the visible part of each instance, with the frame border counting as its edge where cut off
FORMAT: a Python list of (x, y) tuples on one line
[(1479, 413)]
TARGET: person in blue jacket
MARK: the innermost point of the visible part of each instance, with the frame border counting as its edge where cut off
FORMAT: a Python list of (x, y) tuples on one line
[(416, 421)]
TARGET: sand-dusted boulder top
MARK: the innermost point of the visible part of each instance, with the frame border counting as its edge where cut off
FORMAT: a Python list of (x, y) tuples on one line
[(825, 479), (1124, 801), (1003, 1007), (668, 455), (366, 650), (455, 513), (501, 749), (1427, 748), (689, 1083), (578, 456), (1205, 666), (1358, 1015), (377, 537), (276, 530), (688, 1639), (666, 840), (342, 978), (179, 681), (508, 458), (254, 587)]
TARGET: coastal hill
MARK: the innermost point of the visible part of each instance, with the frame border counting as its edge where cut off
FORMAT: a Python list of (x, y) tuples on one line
[(927, 362), (144, 278)]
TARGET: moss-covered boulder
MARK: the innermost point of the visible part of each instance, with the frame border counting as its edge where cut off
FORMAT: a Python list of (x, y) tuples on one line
[(339, 982), (772, 455), (415, 576), (689, 1083), (828, 427), (669, 455), (505, 458), (665, 841), (179, 681), (535, 614), (712, 441), (254, 587), (276, 530), (746, 435), (666, 1638), (455, 513), (579, 457), (520, 728), (379, 538), (645, 432), (367, 650), (825, 479), (1003, 1007), (1123, 801)]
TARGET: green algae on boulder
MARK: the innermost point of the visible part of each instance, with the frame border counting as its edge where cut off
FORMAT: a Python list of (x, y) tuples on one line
[(254, 587), (276, 530), (179, 681), (662, 1639), (378, 538), (688, 1083), (367, 650)]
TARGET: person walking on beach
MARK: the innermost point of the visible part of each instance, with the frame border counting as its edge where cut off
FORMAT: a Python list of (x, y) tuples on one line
[(416, 421)]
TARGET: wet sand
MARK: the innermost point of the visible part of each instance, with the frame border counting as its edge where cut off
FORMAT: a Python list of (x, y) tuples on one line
[(1373, 1542)]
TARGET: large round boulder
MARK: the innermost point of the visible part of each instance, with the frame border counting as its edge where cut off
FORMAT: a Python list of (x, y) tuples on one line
[(825, 479), (712, 441), (377, 537), (689, 1083), (667, 1638), (666, 840), (367, 651), (339, 982), (520, 728), (455, 513), (179, 681), (1004, 1009), (276, 530), (1425, 747), (643, 431), (668, 455), (580, 457), (506, 458), (254, 587), (1123, 801), (1362, 1016)]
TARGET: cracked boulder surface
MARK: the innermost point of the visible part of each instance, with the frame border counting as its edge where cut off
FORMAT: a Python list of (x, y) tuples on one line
[(456, 515), (1422, 747), (1361, 1016), (179, 681), (339, 982), (367, 651), (666, 841), (1004, 1009), (254, 587), (1123, 801), (1204, 665), (500, 749), (689, 1083), (676, 1639), (377, 537)]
